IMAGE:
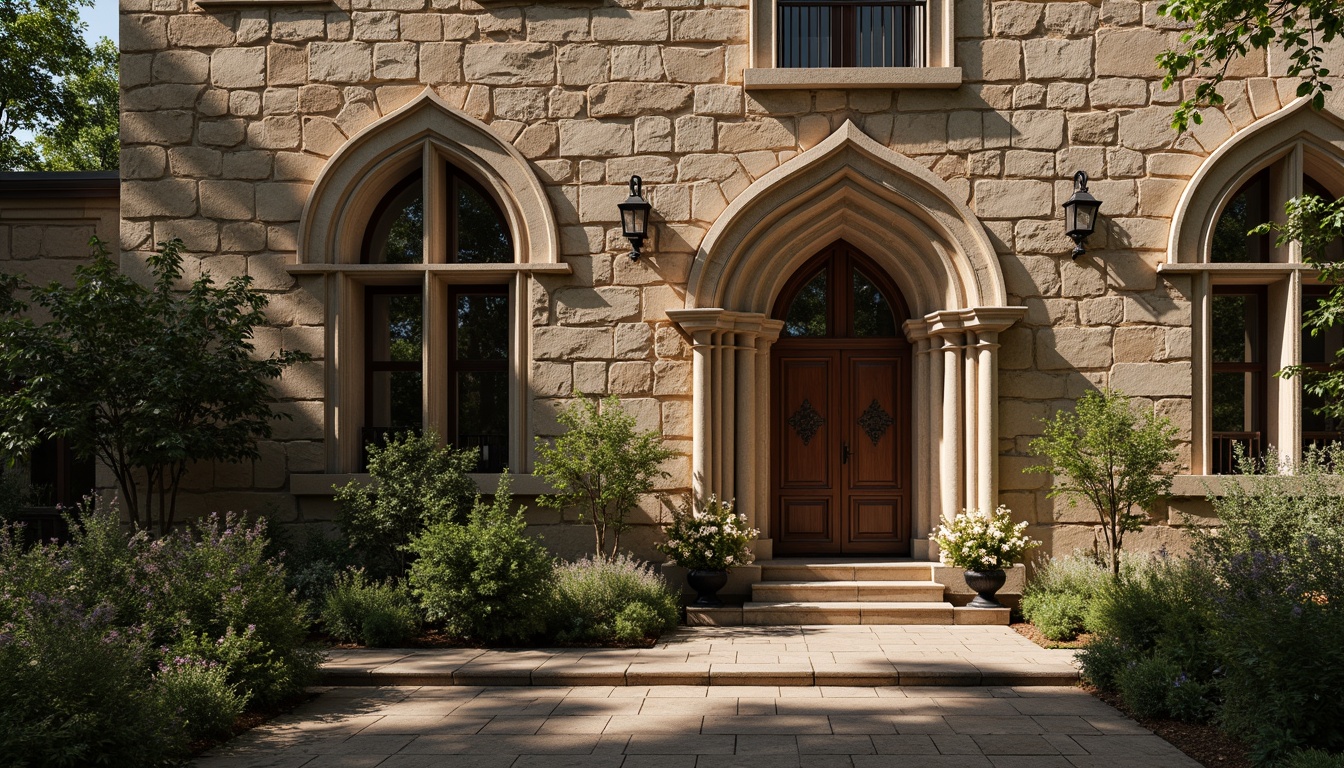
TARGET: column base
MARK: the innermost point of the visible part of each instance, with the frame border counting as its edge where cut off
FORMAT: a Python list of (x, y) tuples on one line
[(923, 549), (763, 549)]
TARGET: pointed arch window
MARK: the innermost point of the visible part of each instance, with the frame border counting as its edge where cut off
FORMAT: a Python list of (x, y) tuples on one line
[(437, 351), (1256, 295)]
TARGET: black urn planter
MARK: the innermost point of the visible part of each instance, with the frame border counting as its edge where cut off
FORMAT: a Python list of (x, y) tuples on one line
[(707, 585), (985, 584)]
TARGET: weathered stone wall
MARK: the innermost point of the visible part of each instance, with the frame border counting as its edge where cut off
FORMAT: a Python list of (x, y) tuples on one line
[(45, 238), (230, 114)]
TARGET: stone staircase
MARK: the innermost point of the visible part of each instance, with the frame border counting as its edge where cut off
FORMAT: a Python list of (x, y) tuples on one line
[(821, 591)]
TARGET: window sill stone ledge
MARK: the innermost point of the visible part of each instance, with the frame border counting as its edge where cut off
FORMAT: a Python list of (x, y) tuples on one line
[(817, 78), (1202, 486), (324, 484)]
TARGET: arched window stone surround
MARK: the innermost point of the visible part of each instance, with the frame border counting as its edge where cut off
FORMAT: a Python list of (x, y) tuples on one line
[(901, 215), (1295, 140), (425, 133), (352, 181)]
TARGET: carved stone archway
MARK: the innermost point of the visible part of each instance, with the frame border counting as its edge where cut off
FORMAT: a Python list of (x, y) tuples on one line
[(902, 216)]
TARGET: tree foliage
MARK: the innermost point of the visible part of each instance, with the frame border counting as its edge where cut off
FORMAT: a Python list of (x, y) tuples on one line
[(602, 466), (147, 379), (1221, 31), (88, 139), (52, 84), (1107, 454)]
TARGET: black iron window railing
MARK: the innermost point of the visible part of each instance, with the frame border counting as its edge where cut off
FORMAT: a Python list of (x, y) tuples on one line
[(1229, 448), (843, 33)]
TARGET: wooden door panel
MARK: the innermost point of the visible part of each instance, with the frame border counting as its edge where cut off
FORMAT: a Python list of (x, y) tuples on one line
[(873, 422), (807, 520), (880, 520), (807, 423)]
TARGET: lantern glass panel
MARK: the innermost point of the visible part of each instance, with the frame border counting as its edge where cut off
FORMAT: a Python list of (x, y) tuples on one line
[(1086, 217)]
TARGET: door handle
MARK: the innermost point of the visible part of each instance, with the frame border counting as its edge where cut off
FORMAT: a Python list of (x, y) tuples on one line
[(844, 453)]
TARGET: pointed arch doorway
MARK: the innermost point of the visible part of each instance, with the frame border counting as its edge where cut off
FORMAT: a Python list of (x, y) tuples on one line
[(840, 470)]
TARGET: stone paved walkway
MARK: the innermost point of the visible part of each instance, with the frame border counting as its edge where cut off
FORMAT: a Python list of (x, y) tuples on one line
[(700, 727), (787, 656)]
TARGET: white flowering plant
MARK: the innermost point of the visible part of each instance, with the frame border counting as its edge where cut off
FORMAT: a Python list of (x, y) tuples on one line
[(714, 537), (982, 541)]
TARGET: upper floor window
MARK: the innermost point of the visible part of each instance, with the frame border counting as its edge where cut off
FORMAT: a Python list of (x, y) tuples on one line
[(810, 44), (850, 33)]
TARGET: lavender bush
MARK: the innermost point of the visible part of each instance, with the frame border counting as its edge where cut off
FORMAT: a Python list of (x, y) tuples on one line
[(118, 648), (604, 600)]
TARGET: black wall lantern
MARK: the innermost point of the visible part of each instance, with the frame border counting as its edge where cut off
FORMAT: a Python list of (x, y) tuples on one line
[(1080, 214), (635, 217)]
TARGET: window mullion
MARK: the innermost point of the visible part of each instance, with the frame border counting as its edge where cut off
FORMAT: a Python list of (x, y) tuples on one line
[(436, 228), (438, 329)]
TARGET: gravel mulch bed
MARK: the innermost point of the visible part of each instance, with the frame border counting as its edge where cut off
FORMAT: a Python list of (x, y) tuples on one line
[(1032, 633), (1204, 743)]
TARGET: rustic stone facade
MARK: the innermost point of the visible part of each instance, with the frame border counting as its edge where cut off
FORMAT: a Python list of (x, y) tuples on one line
[(231, 113)]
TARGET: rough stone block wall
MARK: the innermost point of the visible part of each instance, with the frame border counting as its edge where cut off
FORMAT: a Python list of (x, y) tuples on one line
[(230, 114)]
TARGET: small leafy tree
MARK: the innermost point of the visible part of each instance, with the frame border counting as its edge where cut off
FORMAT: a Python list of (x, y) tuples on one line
[(419, 484), (601, 465), (1108, 454), (147, 379)]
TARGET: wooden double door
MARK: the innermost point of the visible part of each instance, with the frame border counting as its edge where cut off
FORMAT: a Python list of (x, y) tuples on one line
[(841, 401)]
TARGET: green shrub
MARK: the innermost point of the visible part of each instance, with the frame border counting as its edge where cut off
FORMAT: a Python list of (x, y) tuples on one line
[(1059, 616), (74, 688), (312, 564), (486, 579), (1160, 608), (199, 695), (604, 600), (419, 484), (1102, 659), (234, 609), (1312, 758), (1058, 595), (1155, 686), (1278, 563), (377, 614), (1143, 685), (637, 621)]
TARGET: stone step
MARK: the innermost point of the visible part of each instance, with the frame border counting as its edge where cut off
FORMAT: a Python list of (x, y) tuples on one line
[(848, 591), (792, 613), (804, 570)]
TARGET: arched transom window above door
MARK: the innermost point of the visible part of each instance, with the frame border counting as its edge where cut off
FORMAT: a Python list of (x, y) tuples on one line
[(840, 294)]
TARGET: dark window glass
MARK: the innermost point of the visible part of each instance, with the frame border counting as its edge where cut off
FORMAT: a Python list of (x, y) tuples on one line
[(1320, 351), (482, 326), (872, 312), (1335, 250), (483, 416), (1236, 332), (482, 235), (807, 313), (479, 372), (394, 339), (1238, 375), (1247, 209), (397, 233)]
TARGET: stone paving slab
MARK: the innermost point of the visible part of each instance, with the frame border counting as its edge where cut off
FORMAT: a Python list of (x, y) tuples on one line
[(830, 655), (699, 727)]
